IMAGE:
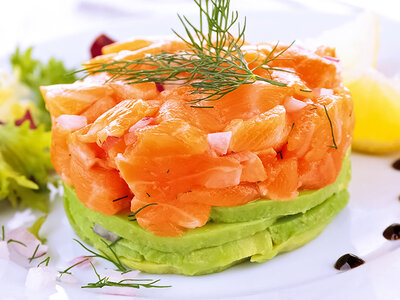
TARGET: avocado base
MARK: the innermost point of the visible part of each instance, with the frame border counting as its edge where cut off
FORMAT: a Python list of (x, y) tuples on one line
[(218, 245)]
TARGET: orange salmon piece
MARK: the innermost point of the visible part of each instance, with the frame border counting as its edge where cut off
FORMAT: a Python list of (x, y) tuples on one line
[(226, 197), (282, 178), (178, 173), (206, 119), (95, 183), (253, 169), (171, 137), (123, 91), (315, 70), (318, 173), (249, 100), (62, 127), (170, 46), (170, 219), (98, 108), (116, 121), (301, 132), (129, 45), (269, 129), (72, 99)]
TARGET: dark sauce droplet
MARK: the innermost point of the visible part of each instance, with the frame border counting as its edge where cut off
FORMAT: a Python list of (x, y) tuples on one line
[(348, 261), (392, 233), (396, 165)]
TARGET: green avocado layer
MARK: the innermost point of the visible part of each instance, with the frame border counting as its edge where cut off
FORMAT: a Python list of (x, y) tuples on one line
[(257, 231)]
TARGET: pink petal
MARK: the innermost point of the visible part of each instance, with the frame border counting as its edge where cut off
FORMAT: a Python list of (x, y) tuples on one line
[(292, 105), (219, 142), (21, 234), (71, 122), (85, 261)]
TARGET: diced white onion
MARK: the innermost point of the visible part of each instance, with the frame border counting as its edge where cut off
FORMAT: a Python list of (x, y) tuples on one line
[(40, 277)]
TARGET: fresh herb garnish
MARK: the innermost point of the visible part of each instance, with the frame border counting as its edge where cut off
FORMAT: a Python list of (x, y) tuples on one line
[(45, 261), (213, 66), (330, 123), (66, 271), (124, 197), (133, 215), (116, 241), (305, 90), (291, 128), (34, 253), (15, 241), (3, 233), (115, 261), (132, 283)]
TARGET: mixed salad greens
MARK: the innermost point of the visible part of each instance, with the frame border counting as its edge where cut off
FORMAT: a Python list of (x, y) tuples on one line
[(25, 124)]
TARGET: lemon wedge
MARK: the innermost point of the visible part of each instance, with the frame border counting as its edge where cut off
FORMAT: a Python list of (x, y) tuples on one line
[(356, 43), (377, 112), (376, 97)]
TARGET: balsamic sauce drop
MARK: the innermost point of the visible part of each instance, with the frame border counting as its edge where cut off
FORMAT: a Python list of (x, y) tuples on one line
[(396, 165), (348, 261), (392, 233)]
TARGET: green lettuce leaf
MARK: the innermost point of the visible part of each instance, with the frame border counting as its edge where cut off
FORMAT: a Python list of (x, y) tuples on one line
[(35, 228), (25, 165), (34, 73)]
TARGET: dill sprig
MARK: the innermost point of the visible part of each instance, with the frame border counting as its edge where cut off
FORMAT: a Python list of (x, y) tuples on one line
[(34, 253), (133, 214), (15, 241), (66, 271), (45, 261), (214, 64), (132, 283), (120, 198), (3, 237), (330, 124), (115, 261)]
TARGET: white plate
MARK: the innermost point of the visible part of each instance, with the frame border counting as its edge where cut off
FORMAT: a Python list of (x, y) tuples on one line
[(306, 273)]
